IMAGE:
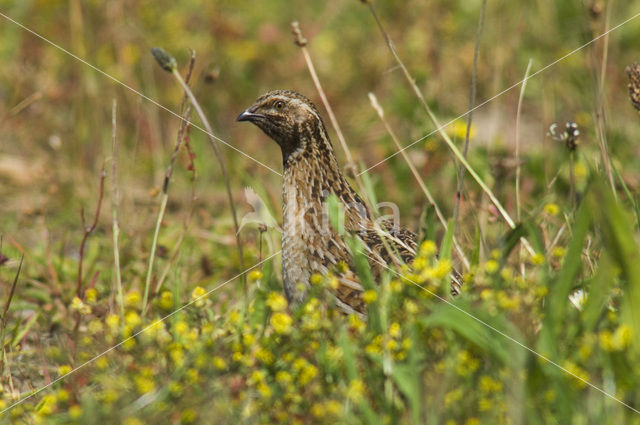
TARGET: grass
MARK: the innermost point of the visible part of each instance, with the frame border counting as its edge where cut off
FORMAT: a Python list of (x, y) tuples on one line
[(537, 336)]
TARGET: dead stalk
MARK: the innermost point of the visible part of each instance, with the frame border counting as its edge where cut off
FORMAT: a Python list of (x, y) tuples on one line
[(425, 190), (301, 42), (88, 231), (223, 167), (115, 203), (165, 185), (517, 137), (472, 102), (5, 311), (600, 109), (456, 152)]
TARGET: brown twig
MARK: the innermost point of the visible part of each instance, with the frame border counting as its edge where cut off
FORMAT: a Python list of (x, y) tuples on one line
[(6, 310), (88, 231), (423, 186), (472, 101)]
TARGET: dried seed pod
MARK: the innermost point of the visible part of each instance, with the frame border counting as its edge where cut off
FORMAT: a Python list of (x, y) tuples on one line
[(633, 71), (164, 59)]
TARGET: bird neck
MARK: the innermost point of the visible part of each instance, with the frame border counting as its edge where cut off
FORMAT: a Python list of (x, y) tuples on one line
[(312, 171)]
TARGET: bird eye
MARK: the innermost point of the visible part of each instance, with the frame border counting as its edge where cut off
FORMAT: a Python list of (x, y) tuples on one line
[(279, 105)]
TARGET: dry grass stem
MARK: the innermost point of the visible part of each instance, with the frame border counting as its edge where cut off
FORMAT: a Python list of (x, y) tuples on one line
[(223, 167), (472, 102), (456, 152), (88, 231), (600, 107), (5, 311), (115, 204), (167, 179), (414, 171), (301, 42)]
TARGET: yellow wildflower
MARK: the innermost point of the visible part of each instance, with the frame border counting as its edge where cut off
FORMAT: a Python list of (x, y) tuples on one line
[(283, 377), (264, 390), (551, 209), (255, 275), (452, 397), (537, 259), (64, 369), (370, 296), (199, 295), (91, 295), (281, 322), (318, 410), (219, 363), (356, 390), (356, 323), (144, 384), (132, 299), (132, 319), (276, 302), (491, 266), (316, 279), (265, 356), (395, 330), (558, 252), (307, 374), (75, 411), (442, 269), (78, 305), (428, 249), (165, 301)]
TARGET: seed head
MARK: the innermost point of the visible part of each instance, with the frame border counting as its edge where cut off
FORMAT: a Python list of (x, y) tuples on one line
[(633, 71), (164, 59)]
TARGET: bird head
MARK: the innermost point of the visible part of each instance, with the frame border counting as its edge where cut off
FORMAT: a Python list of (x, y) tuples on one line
[(287, 117)]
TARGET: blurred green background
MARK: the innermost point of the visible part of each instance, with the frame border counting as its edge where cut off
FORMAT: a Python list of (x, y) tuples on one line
[(56, 136)]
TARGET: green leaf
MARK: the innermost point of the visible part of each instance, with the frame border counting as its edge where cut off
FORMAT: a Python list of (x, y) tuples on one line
[(620, 245), (473, 325), (599, 291), (447, 241), (363, 270), (23, 331)]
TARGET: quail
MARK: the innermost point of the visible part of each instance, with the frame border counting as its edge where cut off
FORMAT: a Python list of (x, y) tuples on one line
[(310, 244)]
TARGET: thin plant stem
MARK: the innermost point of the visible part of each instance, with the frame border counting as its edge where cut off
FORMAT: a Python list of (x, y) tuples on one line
[(600, 110), (165, 191), (301, 42), (187, 221), (412, 167), (472, 102), (88, 231), (115, 203), (572, 181), (223, 167), (456, 152), (518, 114), (518, 168), (5, 311)]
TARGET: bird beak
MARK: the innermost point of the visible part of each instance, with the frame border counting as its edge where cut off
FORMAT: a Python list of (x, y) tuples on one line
[(249, 116)]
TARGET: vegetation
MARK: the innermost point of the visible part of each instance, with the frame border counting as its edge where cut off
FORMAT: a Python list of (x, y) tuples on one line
[(546, 329)]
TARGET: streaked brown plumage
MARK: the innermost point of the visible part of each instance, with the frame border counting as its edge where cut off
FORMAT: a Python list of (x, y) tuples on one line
[(311, 173)]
